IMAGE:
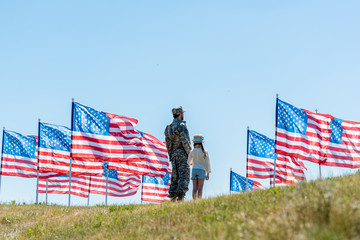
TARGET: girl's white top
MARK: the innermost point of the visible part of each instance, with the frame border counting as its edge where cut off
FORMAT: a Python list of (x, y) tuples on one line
[(196, 158)]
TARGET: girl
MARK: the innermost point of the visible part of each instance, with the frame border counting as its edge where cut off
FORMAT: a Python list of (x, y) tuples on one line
[(199, 159)]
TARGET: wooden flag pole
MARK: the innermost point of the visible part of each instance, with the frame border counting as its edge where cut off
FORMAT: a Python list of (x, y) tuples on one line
[(37, 175)]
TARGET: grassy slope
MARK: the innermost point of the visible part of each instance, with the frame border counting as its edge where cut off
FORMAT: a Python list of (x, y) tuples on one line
[(328, 209)]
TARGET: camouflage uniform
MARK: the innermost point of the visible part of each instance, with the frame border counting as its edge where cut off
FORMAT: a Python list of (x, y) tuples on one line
[(178, 146)]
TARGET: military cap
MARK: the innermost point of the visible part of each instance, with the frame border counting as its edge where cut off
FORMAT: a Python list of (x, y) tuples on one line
[(178, 110)]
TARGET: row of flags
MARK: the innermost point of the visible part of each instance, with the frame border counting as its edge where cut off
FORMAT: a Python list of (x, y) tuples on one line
[(102, 153), (300, 135), (316, 137), (264, 163)]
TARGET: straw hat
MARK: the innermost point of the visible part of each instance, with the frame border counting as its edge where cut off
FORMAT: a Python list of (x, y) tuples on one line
[(198, 138)]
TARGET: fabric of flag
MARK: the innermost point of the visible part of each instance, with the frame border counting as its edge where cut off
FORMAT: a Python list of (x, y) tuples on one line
[(156, 189), (99, 136), (18, 157), (302, 134), (289, 170), (120, 184), (344, 145), (60, 185), (278, 182), (54, 150), (238, 183), (156, 162), (260, 157)]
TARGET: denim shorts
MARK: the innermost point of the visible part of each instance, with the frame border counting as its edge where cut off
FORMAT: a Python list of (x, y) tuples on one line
[(198, 173)]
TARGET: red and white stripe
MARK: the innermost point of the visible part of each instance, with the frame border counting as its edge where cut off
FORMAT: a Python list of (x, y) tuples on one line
[(60, 185), (126, 185), (122, 145), (51, 160), (155, 157), (346, 154), (311, 146), (154, 192), (258, 167), (289, 170), (257, 185), (18, 166), (278, 182)]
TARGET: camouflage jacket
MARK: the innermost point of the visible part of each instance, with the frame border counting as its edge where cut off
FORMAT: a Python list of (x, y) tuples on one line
[(177, 139)]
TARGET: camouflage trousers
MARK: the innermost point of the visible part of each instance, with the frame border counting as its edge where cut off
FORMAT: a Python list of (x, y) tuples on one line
[(180, 176)]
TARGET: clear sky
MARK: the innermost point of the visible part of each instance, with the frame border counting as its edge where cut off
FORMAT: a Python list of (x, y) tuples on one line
[(223, 61)]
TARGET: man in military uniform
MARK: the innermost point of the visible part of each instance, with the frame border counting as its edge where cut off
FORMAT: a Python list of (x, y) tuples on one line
[(178, 146)]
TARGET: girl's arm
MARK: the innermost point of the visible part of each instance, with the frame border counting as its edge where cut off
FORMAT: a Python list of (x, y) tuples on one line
[(207, 163), (190, 160)]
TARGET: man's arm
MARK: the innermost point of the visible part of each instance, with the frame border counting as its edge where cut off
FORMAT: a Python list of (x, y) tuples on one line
[(184, 139), (168, 141)]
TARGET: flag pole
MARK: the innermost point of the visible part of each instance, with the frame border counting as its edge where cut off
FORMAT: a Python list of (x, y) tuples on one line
[(319, 161), (274, 169), (37, 175), (107, 182), (88, 200), (230, 180), (72, 129), (247, 153), (2, 152), (275, 155), (142, 184), (46, 191)]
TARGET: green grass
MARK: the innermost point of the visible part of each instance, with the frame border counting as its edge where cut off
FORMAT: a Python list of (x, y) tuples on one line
[(323, 209)]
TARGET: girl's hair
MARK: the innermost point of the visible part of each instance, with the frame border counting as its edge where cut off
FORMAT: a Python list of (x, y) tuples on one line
[(202, 148)]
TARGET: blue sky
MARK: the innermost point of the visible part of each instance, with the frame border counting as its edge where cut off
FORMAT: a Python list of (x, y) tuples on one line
[(224, 61)]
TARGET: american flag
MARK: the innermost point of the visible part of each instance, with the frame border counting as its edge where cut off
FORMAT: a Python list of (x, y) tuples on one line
[(156, 160), (260, 157), (278, 182), (19, 156), (238, 183), (289, 170), (99, 136), (120, 184), (302, 134), (60, 185), (54, 150), (156, 189), (344, 145)]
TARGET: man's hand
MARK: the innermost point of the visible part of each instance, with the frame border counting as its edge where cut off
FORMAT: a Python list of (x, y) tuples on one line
[(207, 176)]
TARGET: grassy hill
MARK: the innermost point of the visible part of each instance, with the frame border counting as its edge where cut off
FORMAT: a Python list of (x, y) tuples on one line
[(323, 209)]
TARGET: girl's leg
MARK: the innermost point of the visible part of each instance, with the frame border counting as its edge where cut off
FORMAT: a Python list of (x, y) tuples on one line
[(195, 187), (200, 187)]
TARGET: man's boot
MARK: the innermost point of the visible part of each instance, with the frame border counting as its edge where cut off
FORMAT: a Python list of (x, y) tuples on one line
[(172, 197), (181, 197)]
